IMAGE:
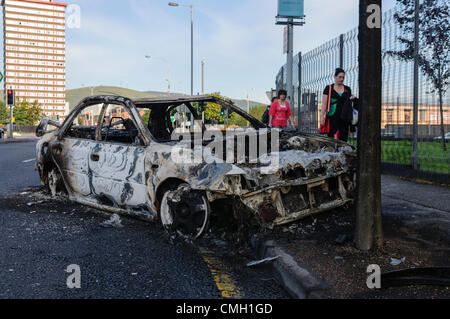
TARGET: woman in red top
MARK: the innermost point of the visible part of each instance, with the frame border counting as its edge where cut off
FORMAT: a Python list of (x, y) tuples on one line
[(280, 112)]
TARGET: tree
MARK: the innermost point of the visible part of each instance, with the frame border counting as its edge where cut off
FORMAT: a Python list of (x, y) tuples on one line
[(256, 111), (369, 230), (4, 114), (213, 109), (146, 116), (434, 44), (27, 113)]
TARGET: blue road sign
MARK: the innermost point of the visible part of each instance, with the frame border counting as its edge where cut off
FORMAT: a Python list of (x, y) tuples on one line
[(291, 9)]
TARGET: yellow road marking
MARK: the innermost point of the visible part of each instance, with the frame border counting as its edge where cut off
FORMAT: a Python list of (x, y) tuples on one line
[(224, 281)]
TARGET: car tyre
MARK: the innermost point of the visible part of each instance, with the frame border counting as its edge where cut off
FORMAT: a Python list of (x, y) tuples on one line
[(185, 213)]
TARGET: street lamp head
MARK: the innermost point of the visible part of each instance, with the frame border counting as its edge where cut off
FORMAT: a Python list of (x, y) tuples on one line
[(173, 4)]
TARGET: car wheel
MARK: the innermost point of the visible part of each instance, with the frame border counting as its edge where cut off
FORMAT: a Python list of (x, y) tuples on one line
[(185, 212)]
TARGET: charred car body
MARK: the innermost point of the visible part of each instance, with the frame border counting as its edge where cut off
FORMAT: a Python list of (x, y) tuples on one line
[(112, 160)]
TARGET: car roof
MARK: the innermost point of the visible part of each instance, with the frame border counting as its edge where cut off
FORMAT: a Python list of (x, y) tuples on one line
[(175, 100), (165, 101)]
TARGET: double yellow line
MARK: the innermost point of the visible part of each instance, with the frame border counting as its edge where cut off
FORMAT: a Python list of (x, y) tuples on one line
[(223, 279)]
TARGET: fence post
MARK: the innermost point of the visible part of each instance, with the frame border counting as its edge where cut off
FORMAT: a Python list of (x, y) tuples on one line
[(416, 87), (299, 103), (341, 51)]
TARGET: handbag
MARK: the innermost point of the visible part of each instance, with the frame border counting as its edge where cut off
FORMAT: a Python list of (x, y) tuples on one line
[(325, 129), (355, 117), (349, 113)]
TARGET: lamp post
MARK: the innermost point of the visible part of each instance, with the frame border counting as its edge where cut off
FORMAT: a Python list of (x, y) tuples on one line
[(168, 67), (203, 76), (174, 4)]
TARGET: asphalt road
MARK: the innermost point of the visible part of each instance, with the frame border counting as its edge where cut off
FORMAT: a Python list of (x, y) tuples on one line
[(17, 161), (40, 237)]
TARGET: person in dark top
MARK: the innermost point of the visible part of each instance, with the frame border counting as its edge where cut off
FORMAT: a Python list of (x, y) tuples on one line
[(266, 116), (340, 93)]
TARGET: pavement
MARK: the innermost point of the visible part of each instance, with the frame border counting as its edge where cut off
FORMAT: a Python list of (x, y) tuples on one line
[(395, 189), (22, 138), (416, 222)]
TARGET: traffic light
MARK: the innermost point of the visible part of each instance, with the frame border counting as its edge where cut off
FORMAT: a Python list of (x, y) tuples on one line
[(222, 111), (11, 97)]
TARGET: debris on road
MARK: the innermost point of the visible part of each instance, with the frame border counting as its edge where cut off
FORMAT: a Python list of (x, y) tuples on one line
[(261, 262), (114, 222), (396, 262), (342, 239), (35, 203)]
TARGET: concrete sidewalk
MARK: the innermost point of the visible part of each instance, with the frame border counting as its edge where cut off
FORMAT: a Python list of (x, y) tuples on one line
[(426, 195), (414, 214), (23, 138), (422, 208)]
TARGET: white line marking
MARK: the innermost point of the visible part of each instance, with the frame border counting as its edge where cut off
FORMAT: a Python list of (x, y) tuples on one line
[(29, 161)]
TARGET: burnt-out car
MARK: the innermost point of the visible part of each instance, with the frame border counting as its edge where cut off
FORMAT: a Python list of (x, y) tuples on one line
[(105, 155)]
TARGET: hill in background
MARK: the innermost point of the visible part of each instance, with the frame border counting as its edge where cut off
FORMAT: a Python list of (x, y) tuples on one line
[(239, 103), (76, 95)]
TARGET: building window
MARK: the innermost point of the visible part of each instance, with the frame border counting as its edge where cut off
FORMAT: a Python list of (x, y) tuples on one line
[(390, 116), (423, 115), (407, 116)]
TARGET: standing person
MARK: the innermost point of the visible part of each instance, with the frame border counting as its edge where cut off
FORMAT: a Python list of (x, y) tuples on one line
[(340, 93), (280, 112), (266, 117)]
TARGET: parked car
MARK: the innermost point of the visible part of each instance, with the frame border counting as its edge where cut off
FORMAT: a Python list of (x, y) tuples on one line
[(106, 156), (439, 138)]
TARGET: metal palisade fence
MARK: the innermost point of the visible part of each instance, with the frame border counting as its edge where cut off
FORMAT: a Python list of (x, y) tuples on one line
[(313, 71)]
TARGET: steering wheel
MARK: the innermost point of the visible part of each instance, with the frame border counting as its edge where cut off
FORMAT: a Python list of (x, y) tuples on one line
[(111, 124)]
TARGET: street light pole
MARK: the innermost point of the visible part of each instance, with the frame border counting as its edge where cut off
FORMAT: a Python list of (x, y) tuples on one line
[(192, 49), (203, 77), (203, 86), (174, 4)]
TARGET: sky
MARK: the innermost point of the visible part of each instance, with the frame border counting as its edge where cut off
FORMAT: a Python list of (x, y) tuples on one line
[(238, 39)]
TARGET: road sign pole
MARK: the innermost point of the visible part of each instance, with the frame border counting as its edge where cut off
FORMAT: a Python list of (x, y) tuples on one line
[(290, 14), (11, 126), (290, 60)]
